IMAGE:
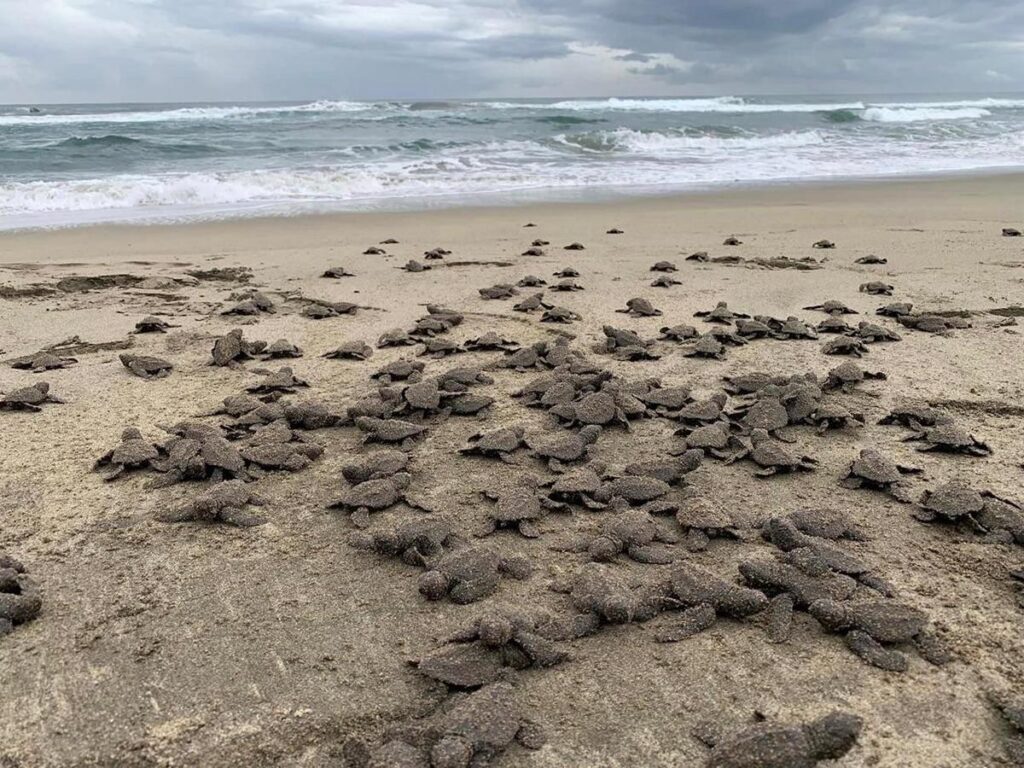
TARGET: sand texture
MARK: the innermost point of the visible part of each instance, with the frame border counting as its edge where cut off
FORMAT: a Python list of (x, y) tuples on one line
[(212, 645)]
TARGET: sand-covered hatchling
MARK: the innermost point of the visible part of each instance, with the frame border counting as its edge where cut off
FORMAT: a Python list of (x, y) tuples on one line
[(534, 250), (500, 443), (630, 532), (395, 337), (799, 745), (226, 503), (574, 247), (41, 362), (870, 625), (832, 414), (732, 240), (702, 597), (772, 458), (703, 519), (844, 345), (414, 266), (351, 350), (871, 259), (833, 324), (665, 281), (577, 486), (388, 430), (31, 398), (471, 574), (681, 332), (376, 496), (875, 471), (914, 415), (640, 307), (415, 542), (20, 597), (664, 266), (336, 273), (598, 595), (896, 309), (375, 466), (255, 304), (876, 288), (560, 315), (949, 438), (720, 314), (373, 250), (847, 376), (283, 381), (498, 291), (714, 439), (133, 452), (532, 303), (941, 325), (531, 281), (233, 347), (706, 346), (600, 408), (491, 341), (400, 370), (146, 366), (832, 307), (566, 285), (561, 447), (776, 578), (518, 508), (435, 347), (153, 324)]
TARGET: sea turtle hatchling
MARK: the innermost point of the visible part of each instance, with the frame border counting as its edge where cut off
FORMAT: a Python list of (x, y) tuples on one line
[(491, 341), (664, 266), (701, 520), (678, 333), (833, 324), (956, 501), (873, 470), (871, 624), (375, 496), (276, 383), (832, 307), (844, 345), (133, 452), (388, 430), (531, 281), (152, 324), (415, 542), (145, 366), (376, 466), (559, 315), (640, 307), (832, 414), (914, 415), (706, 346), (336, 273), (533, 251), (771, 457), (233, 347), (28, 398), (540, 242), (20, 596), (414, 266), (876, 288), (434, 347), (436, 253), (1011, 232), (351, 350), (518, 508), (574, 247), (847, 376), (532, 303), (720, 314), (631, 532), (702, 597), (664, 281), (373, 250), (498, 291), (824, 244), (799, 745), (598, 408), (929, 323), (566, 285), (282, 349), (732, 240), (400, 370), (559, 448), (395, 337), (471, 574), (871, 259), (41, 362), (897, 309), (949, 438), (715, 440), (499, 443), (223, 503), (872, 333)]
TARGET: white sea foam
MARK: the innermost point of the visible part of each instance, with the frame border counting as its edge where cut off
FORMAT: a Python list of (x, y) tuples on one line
[(727, 104), (922, 114)]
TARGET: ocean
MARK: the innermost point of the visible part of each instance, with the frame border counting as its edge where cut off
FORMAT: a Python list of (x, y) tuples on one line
[(63, 165)]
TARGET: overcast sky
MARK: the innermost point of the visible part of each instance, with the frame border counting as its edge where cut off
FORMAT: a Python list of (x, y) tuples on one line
[(209, 50)]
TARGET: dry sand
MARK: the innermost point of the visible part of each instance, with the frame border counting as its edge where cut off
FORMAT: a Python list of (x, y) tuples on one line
[(217, 646)]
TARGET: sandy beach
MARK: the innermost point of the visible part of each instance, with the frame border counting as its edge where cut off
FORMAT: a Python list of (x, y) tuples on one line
[(195, 644)]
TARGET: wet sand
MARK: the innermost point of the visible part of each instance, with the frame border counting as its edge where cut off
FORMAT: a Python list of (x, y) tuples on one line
[(217, 646)]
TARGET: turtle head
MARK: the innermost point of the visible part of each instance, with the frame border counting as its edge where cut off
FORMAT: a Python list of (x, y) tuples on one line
[(831, 614), (783, 534), (590, 433), (832, 735), (433, 585), (401, 480), (131, 433), (603, 549), (495, 630), (617, 608), (362, 540)]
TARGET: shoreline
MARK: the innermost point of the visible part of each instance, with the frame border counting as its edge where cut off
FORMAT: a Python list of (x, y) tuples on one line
[(798, 192)]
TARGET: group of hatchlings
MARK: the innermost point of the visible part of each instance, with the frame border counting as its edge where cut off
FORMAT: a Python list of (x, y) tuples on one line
[(753, 417)]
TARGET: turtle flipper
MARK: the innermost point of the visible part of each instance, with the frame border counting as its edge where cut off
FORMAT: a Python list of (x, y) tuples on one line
[(874, 653), (693, 621)]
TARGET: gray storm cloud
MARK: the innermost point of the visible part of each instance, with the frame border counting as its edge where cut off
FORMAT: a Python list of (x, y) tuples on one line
[(175, 50)]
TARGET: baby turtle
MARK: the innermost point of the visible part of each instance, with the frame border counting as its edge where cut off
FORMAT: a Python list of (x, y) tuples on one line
[(471, 574), (500, 443), (598, 408), (872, 333), (631, 532), (703, 520), (518, 508), (873, 470), (395, 337), (337, 273), (731, 240), (146, 367), (779, 578), (567, 285), (376, 466), (936, 324), (224, 503), (351, 350), (844, 345), (599, 596), (414, 266), (664, 281), (700, 256), (559, 448), (533, 251), (281, 349), (574, 247), (955, 502), (833, 324), (254, 305), (317, 309), (133, 452), (847, 376), (949, 438), (415, 542), (42, 361), (373, 250), (29, 398), (720, 314), (281, 381), (716, 440), (20, 597), (772, 458), (753, 329), (540, 242), (388, 430), (876, 288), (831, 414), (559, 315), (436, 253), (433, 347), (640, 307), (679, 333), (802, 745), (532, 303), (615, 231), (824, 244), (151, 324), (896, 309), (872, 624), (531, 281), (498, 291), (375, 496), (705, 346), (400, 370), (832, 307), (232, 347), (664, 266), (703, 596), (1011, 232), (491, 341), (915, 416), (871, 259)]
